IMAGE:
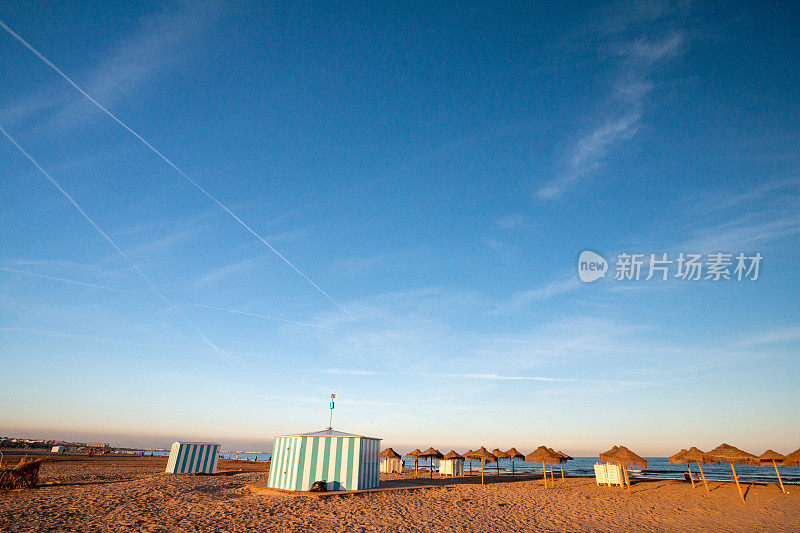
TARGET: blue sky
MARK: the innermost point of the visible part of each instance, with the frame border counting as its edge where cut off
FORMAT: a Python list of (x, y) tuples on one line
[(434, 173)]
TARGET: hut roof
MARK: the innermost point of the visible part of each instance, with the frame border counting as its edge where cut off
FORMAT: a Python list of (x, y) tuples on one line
[(415, 453), (770, 456), (453, 455), (513, 453), (483, 453), (793, 459), (323, 433), (625, 456), (543, 455), (732, 454), (432, 452), (468, 454), (390, 453), (499, 454)]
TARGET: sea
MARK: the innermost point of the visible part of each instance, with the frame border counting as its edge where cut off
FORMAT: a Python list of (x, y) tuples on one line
[(657, 467)]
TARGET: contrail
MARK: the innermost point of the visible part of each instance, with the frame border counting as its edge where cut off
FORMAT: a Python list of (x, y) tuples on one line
[(179, 302), (106, 237), (58, 71)]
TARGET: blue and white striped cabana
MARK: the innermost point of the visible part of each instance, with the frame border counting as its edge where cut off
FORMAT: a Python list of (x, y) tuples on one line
[(343, 460), (193, 458)]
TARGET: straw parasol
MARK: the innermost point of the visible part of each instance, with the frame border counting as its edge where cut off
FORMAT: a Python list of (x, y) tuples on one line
[(773, 457), (793, 459), (468, 456), (513, 454), (415, 454), (560, 465), (543, 455), (432, 453), (677, 458), (624, 457), (500, 455), (389, 453), (552, 477), (696, 456), (731, 454), (484, 455), (453, 455)]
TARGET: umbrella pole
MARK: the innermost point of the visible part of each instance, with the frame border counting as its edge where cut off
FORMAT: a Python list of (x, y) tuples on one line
[(544, 471), (512, 467), (703, 476), (736, 478), (483, 464), (690, 474), (627, 479), (561, 466), (779, 477)]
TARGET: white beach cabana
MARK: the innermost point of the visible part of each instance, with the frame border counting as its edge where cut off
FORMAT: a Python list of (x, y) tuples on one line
[(343, 460), (57, 449), (193, 458)]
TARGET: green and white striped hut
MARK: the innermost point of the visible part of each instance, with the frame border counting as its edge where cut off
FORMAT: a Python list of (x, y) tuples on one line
[(193, 458), (345, 461)]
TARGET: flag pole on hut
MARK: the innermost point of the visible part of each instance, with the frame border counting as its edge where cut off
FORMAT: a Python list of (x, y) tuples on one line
[(330, 422)]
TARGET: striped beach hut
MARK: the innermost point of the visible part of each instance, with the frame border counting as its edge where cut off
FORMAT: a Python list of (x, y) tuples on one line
[(193, 458), (345, 461)]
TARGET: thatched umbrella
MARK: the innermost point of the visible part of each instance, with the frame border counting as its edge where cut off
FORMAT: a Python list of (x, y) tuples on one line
[(566, 458), (693, 455), (605, 455), (544, 456), (453, 455), (500, 455), (773, 457), (432, 453), (468, 455), (793, 459), (484, 455), (624, 457), (513, 454), (389, 453), (731, 454), (415, 454), (563, 458)]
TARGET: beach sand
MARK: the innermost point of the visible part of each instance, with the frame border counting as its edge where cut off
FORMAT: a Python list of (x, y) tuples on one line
[(118, 493)]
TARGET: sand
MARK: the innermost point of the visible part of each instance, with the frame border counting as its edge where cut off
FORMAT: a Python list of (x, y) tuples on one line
[(133, 494)]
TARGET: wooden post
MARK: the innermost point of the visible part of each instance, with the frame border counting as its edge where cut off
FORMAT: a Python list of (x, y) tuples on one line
[(483, 464), (736, 478), (552, 478), (703, 476), (561, 466), (690, 473), (544, 471), (779, 477), (627, 479)]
